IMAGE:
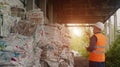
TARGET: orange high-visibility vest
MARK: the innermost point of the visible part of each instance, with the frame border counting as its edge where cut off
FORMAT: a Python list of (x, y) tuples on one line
[(98, 54)]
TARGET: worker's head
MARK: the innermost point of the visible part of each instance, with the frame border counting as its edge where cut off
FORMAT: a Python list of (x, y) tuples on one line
[(98, 27)]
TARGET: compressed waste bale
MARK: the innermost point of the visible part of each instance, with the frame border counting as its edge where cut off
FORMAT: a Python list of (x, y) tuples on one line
[(18, 50), (35, 16), (14, 3), (24, 28), (18, 12), (54, 40), (6, 20)]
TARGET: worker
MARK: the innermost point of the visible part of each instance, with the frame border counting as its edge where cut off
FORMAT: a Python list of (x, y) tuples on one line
[(97, 46)]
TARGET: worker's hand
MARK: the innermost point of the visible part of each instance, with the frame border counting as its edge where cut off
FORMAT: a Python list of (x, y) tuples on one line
[(86, 47), (88, 34)]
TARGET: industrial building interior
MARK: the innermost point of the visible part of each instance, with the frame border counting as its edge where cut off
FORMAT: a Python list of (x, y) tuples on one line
[(53, 33)]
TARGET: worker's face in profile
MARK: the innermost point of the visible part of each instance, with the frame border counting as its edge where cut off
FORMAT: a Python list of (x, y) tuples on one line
[(96, 30)]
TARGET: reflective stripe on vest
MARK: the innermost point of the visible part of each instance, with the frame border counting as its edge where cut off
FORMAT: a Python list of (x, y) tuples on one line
[(100, 46), (99, 51)]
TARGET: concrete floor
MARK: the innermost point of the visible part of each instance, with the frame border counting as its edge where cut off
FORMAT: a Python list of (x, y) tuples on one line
[(80, 62)]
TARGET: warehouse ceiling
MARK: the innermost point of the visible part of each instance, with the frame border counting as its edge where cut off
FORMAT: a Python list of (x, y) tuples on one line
[(83, 11)]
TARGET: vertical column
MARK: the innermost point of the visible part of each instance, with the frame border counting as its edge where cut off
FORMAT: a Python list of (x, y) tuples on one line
[(33, 7), (43, 7), (105, 28), (50, 12), (45, 12), (107, 33), (110, 31), (29, 5), (115, 26)]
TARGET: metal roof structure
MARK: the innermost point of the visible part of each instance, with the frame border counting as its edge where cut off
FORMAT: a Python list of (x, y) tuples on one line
[(82, 11)]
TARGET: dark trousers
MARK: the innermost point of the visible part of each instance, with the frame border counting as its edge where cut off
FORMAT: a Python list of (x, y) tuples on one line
[(96, 64)]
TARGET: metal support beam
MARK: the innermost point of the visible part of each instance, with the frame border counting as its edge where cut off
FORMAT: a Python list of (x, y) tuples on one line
[(107, 33), (50, 12), (45, 11), (79, 25), (110, 31), (106, 29), (29, 5), (115, 26)]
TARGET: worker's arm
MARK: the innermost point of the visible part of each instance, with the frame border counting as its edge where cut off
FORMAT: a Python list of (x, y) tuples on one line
[(93, 41)]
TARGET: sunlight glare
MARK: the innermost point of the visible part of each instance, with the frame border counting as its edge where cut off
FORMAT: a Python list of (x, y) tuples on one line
[(77, 31)]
